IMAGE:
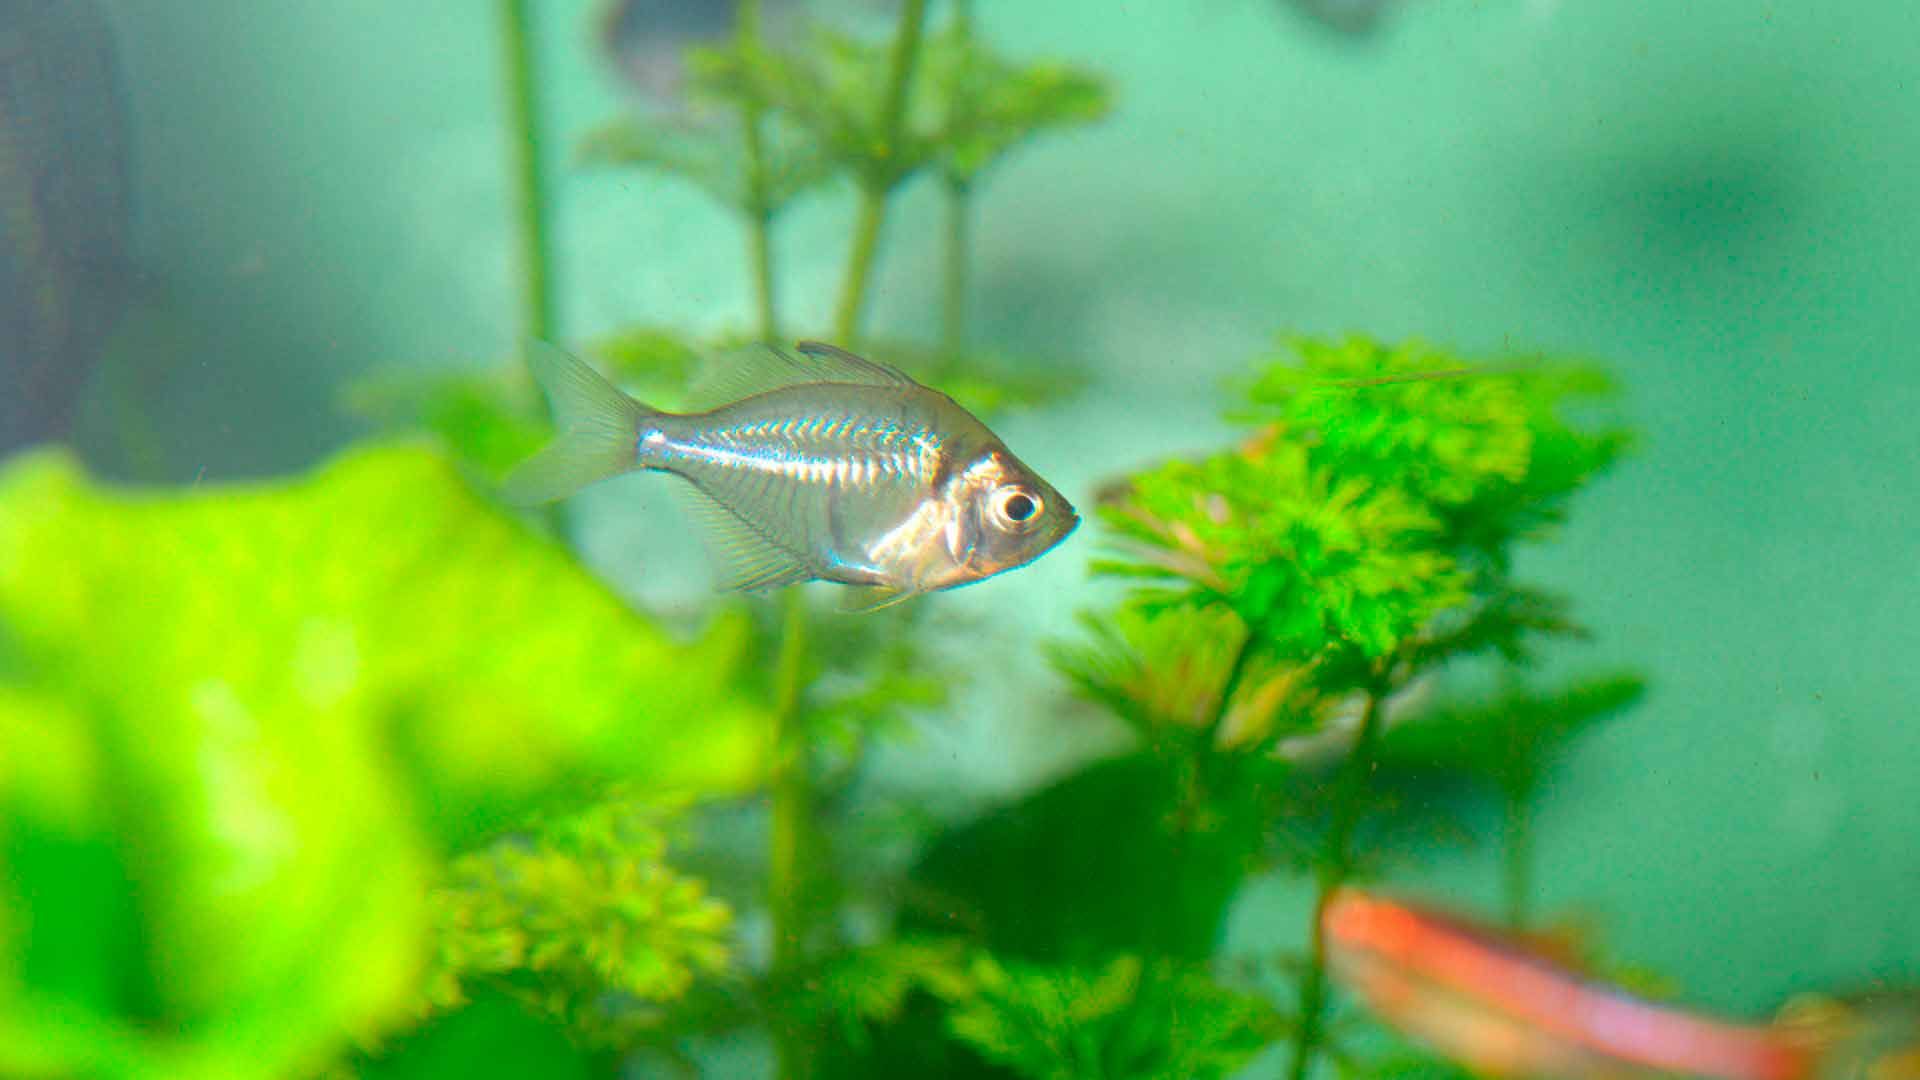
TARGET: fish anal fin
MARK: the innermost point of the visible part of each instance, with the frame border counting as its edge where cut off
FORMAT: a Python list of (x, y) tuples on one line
[(744, 558)]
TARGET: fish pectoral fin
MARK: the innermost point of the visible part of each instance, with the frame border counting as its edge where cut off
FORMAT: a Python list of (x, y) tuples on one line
[(858, 599), (744, 558)]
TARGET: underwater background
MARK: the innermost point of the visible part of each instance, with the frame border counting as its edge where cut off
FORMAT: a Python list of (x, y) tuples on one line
[(1717, 202)]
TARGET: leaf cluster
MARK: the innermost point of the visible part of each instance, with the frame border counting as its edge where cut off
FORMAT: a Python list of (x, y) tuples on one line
[(582, 918), (1491, 451), (1307, 557), (1369, 520), (822, 110)]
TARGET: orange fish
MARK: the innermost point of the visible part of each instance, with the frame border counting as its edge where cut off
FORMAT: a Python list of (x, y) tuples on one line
[(1504, 1010)]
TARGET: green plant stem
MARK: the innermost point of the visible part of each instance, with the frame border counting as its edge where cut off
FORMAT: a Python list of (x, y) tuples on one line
[(1336, 861), (530, 195), (1516, 870), (760, 252), (877, 181), (760, 213), (1197, 782), (953, 308), (866, 237), (791, 830), (959, 208)]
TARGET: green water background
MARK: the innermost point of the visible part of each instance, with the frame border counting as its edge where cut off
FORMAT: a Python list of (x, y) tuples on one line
[(1720, 198)]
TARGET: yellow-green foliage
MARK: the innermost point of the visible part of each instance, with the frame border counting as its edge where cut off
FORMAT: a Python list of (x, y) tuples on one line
[(583, 918), (242, 724), (1303, 554), (1384, 486)]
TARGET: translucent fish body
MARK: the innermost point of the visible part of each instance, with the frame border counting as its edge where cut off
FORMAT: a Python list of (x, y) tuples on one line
[(820, 465)]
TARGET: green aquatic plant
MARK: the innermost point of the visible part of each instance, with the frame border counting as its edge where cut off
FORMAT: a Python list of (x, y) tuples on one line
[(373, 777), (236, 757), (581, 917), (1291, 596), (1365, 533)]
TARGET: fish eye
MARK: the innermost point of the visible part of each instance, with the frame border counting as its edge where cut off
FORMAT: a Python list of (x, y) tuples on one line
[(1017, 506)]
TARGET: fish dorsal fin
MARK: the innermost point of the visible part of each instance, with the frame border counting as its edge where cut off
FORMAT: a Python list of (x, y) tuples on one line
[(839, 365), (744, 557), (757, 369)]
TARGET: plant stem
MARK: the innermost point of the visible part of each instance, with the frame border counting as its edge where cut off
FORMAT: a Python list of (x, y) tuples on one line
[(792, 828), (1196, 783), (760, 251), (760, 214), (866, 236), (530, 195), (878, 179), (954, 285), (1517, 859), (959, 207), (1336, 861)]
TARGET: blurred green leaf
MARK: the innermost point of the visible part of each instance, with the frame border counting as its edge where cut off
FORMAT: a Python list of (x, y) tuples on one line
[(1509, 739), (1024, 882), (490, 419), (258, 711), (712, 156), (831, 92), (494, 418), (654, 363)]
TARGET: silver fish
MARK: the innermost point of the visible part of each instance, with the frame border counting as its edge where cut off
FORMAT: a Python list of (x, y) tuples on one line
[(819, 465)]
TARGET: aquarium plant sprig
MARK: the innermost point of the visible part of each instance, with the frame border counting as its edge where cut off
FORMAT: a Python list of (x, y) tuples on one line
[(1361, 537)]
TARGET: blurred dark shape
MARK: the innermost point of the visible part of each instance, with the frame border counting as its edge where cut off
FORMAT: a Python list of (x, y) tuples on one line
[(63, 210), (1871, 1034), (1353, 17), (645, 39)]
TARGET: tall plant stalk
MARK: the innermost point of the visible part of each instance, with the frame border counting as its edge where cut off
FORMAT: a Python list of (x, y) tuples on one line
[(792, 831), (1197, 782), (760, 216), (954, 283), (530, 189), (1336, 862), (956, 265), (876, 182)]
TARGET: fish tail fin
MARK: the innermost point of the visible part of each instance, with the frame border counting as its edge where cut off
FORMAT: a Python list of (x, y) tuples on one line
[(597, 430)]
